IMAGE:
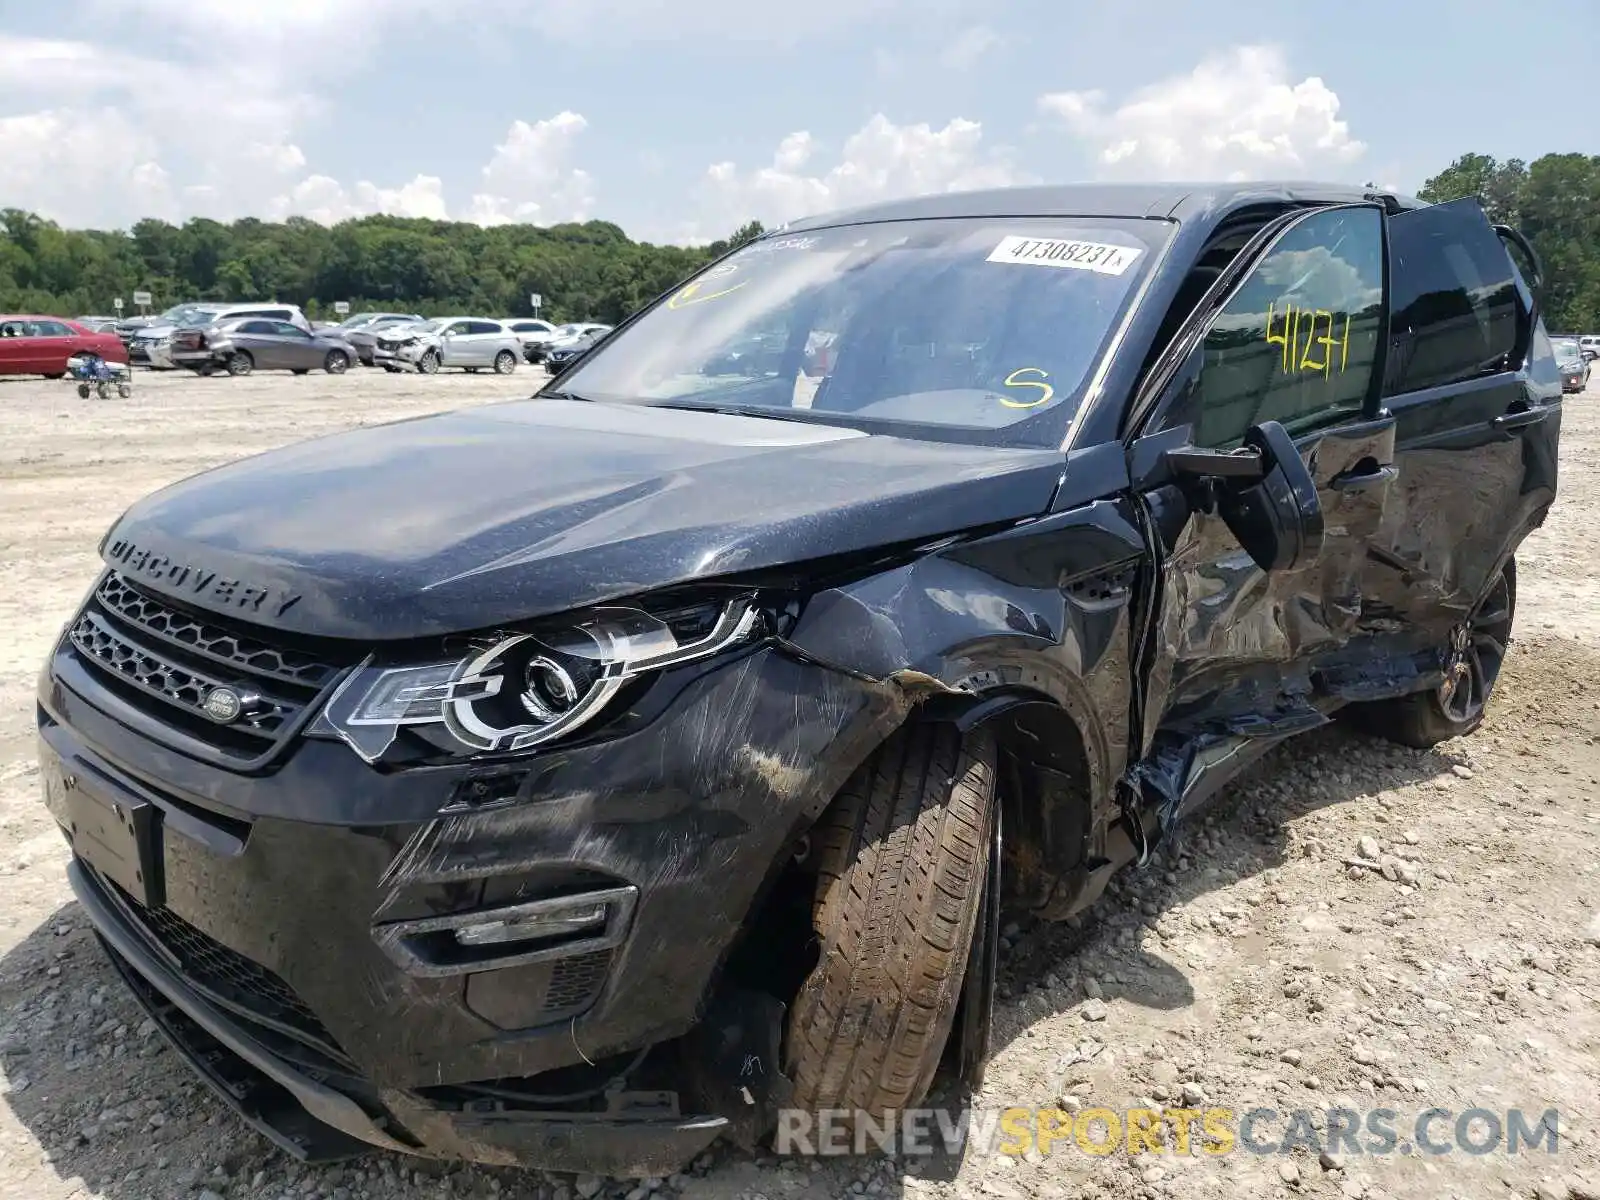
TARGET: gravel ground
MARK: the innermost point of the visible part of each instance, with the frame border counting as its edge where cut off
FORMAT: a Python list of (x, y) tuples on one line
[(1251, 964)]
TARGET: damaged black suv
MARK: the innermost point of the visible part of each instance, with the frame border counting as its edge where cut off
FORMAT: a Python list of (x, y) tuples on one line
[(574, 781)]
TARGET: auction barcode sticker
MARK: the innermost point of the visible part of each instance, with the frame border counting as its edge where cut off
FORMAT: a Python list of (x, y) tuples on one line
[(1056, 252)]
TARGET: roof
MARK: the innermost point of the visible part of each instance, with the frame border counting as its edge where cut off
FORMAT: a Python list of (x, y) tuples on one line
[(1174, 201)]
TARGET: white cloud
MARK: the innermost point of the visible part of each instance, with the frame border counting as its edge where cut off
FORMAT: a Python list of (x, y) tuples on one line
[(1237, 115), (324, 199), (880, 161), (531, 176), (971, 44), (51, 161)]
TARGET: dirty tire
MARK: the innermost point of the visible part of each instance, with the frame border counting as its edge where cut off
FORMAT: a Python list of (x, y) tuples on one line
[(505, 362), (1425, 719), (336, 363), (240, 363), (902, 854)]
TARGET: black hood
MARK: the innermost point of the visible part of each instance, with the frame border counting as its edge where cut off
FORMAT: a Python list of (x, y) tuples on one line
[(470, 519)]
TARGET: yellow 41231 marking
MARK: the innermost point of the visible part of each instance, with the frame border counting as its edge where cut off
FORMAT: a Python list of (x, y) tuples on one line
[(1308, 340), (1016, 380), (690, 294)]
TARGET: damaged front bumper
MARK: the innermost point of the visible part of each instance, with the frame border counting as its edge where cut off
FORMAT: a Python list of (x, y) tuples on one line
[(298, 933)]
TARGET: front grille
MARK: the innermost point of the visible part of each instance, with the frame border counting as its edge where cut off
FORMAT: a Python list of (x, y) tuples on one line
[(166, 662), (230, 976), (222, 975)]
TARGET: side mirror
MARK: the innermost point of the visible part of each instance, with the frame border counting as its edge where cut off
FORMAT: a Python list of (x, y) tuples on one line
[(1263, 492)]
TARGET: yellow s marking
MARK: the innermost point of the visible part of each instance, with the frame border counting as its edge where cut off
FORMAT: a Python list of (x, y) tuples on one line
[(1016, 380), (690, 294)]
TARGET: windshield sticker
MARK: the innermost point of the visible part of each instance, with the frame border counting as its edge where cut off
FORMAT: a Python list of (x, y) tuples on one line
[(690, 293), (1059, 252), (771, 245), (1037, 380)]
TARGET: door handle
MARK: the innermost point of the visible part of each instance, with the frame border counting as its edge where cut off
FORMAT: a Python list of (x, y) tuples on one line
[(1352, 481), (1518, 420)]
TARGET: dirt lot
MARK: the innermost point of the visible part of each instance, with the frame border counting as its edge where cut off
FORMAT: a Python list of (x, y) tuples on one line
[(1250, 966)]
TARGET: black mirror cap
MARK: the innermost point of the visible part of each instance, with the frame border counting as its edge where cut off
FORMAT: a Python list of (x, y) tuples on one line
[(1278, 520)]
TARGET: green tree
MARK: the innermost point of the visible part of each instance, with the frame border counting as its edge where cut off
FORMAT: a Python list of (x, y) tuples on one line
[(1555, 201)]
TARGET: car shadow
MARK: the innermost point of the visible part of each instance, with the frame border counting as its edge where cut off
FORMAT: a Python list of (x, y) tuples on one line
[(113, 1106)]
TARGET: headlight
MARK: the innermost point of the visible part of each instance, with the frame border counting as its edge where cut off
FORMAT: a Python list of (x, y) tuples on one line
[(515, 691)]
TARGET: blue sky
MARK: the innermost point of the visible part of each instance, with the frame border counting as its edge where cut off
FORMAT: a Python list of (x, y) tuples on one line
[(680, 120)]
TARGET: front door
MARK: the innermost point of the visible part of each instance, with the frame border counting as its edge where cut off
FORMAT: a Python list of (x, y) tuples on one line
[(1240, 653), (455, 346)]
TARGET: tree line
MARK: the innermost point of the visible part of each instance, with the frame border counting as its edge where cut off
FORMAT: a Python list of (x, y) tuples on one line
[(1555, 201), (594, 270), (589, 271)]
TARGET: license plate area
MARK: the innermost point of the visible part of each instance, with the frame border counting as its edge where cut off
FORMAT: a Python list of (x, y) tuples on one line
[(120, 838)]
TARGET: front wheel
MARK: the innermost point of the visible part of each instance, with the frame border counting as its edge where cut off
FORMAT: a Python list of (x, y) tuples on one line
[(505, 362), (336, 363), (428, 364), (903, 856), (1473, 658), (240, 363)]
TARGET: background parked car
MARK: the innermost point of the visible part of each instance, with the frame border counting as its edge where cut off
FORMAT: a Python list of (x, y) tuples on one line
[(531, 332), (1589, 343), (470, 343), (41, 345), (364, 337), (241, 345), (98, 324), (565, 335), (152, 345), (568, 353), (1574, 366)]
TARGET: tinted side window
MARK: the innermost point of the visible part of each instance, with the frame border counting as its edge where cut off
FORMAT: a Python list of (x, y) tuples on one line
[(1297, 340), (259, 327), (1454, 303), (285, 329), (52, 329), (483, 327)]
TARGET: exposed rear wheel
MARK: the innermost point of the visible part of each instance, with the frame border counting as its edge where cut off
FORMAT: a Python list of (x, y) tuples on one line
[(1476, 651), (902, 855), (240, 363), (505, 362), (336, 363)]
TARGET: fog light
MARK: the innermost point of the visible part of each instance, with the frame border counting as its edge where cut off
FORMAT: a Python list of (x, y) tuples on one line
[(527, 927)]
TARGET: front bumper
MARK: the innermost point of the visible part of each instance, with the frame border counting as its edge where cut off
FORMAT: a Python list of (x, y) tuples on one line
[(272, 927)]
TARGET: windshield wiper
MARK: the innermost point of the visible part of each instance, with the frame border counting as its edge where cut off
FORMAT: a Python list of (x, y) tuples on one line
[(563, 396), (803, 415)]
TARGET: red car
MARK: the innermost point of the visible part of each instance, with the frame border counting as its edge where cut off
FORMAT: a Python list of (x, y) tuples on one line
[(42, 345)]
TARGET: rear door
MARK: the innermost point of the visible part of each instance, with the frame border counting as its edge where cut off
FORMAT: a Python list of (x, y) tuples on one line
[(1239, 652), (259, 339), (488, 339), (1477, 419), (55, 343)]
